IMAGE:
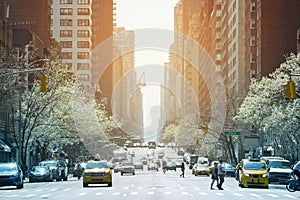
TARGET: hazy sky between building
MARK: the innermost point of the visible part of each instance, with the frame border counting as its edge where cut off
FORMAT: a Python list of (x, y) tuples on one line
[(140, 14)]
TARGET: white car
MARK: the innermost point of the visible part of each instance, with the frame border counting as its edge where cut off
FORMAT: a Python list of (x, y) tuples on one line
[(279, 170)]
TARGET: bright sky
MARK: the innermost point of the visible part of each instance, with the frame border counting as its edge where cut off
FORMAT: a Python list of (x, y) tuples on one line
[(138, 14)]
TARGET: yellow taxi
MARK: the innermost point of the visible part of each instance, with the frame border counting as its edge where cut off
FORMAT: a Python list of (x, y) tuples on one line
[(97, 172), (202, 169), (253, 172)]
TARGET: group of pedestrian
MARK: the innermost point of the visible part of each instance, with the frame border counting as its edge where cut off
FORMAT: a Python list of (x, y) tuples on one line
[(217, 174)]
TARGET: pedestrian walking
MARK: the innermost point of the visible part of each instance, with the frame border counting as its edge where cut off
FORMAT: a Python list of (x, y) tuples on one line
[(182, 170), (214, 174), (221, 175)]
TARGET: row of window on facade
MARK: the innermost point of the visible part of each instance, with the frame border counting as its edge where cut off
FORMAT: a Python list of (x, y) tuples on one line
[(69, 22), (79, 2), (69, 33), (80, 66), (80, 44), (80, 55), (69, 11)]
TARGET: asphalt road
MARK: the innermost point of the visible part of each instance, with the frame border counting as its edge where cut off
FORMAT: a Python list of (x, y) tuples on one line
[(146, 185)]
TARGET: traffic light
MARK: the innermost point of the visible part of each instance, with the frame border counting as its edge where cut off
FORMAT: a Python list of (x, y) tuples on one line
[(43, 86), (289, 90)]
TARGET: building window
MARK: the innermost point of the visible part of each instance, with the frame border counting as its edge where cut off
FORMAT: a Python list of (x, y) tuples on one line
[(65, 33), (83, 11), (83, 44), (66, 44), (66, 22), (82, 55), (83, 77), (252, 41), (68, 66), (66, 55), (83, 66), (82, 2), (252, 24), (83, 33), (66, 1), (252, 58), (83, 22), (66, 11), (252, 6)]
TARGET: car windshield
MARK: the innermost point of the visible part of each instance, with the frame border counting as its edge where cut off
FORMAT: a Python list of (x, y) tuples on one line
[(126, 164), (93, 165), (255, 166), (38, 169), (8, 167), (279, 164)]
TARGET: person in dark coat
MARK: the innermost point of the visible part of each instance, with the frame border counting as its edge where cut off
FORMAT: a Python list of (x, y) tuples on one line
[(214, 175), (182, 170)]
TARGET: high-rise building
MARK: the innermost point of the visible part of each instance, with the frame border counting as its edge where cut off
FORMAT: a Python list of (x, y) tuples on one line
[(72, 28), (82, 27)]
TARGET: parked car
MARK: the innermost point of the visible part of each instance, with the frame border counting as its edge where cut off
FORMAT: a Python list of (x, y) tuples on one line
[(253, 172), (11, 175), (279, 170), (40, 173), (58, 168), (127, 167), (97, 172)]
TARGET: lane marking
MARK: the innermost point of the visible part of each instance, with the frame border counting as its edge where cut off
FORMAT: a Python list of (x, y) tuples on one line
[(99, 193), (290, 196), (256, 195), (272, 195), (116, 193), (82, 194), (134, 193), (168, 192), (238, 194), (30, 195), (203, 193), (150, 193), (220, 194)]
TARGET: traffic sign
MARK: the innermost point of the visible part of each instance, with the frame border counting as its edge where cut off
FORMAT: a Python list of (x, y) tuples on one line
[(232, 133)]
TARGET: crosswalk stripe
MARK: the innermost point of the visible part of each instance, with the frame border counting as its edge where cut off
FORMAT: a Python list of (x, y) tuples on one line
[(150, 193), (256, 195), (203, 194), (272, 195), (290, 196), (238, 194)]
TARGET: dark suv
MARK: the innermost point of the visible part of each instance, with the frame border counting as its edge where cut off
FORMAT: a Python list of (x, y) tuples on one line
[(11, 175), (58, 168)]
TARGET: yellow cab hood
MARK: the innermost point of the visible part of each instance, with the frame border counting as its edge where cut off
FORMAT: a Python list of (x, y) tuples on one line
[(261, 172), (96, 170)]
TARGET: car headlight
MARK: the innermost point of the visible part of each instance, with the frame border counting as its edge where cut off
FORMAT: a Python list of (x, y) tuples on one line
[(265, 175)]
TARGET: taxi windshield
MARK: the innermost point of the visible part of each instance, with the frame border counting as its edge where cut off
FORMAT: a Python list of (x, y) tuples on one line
[(255, 166), (93, 165)]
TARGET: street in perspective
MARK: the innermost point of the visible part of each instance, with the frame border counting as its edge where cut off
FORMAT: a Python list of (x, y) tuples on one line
[(152, 100)]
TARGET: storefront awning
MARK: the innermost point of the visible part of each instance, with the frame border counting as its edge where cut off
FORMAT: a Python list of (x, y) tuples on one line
[(4, 147)]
